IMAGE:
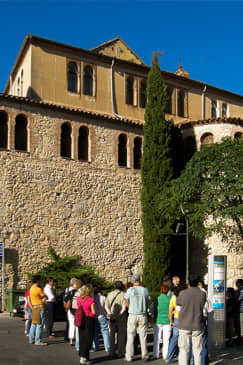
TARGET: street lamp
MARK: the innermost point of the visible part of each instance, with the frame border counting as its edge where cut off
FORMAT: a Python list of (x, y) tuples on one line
[(187, 241)]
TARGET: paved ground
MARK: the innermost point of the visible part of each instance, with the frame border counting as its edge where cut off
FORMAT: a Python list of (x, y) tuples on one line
[(15, 350)]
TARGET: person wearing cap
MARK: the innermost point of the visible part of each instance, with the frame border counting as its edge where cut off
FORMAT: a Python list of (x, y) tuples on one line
[(137, 302)]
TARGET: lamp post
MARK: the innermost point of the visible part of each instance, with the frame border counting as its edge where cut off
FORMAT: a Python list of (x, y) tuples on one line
[(187, 241)]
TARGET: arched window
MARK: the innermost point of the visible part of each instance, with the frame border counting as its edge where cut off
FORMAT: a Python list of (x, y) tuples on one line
[(122, 150), (129, 90), (238, 135), (137, 152), (66, 141), (72, 77), (3, 130), (180, 103), (88, 80), (224, 110), (83, 144), (213, 109), (169, 92), (21, 134), (207, 139), (142, 98)]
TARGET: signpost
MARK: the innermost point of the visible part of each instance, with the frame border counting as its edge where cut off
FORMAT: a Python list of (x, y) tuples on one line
[(3, 273), (216, 293)]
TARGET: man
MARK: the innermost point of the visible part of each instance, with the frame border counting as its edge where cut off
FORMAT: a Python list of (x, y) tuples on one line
[(50, 293), (114, 306), (190, 326), (137, 303), (37, 298)]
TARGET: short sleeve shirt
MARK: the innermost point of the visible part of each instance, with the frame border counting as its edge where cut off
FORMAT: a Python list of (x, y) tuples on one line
[(137, 296), (86, 304), (36, 295), (173, 306)]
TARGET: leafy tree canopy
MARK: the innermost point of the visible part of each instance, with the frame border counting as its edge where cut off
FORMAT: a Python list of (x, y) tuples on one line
[(211, 187)]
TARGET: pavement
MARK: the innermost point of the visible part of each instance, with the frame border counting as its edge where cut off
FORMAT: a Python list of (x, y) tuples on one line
[(15, 349)]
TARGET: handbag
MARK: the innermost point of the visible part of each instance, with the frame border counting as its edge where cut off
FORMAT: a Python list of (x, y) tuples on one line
[(79, 316), (68, 304)]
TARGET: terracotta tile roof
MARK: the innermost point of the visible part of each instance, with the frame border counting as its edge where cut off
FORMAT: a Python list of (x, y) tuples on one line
[(190, 123), (62, 107)]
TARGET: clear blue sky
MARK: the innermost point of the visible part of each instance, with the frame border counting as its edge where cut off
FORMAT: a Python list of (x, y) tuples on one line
[(206, 35)]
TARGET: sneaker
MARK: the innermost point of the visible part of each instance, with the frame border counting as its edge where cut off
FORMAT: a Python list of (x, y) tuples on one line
[(41, 344), (51, 336), (128, 360), (146, 358)]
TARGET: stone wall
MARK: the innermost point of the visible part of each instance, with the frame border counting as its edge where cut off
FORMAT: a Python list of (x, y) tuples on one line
[(91, 209)]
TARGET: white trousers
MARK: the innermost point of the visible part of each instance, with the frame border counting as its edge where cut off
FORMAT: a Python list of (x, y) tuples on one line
[(161, 331), (71, 329), (137, 323), (184, 341)]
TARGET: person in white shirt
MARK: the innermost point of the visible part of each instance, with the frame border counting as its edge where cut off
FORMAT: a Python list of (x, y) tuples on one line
[(50, 292)]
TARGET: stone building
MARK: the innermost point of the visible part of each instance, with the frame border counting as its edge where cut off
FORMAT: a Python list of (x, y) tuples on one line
[(71, 131)]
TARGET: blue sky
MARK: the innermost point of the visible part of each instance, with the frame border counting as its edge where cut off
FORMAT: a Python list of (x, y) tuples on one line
[(206, 35)]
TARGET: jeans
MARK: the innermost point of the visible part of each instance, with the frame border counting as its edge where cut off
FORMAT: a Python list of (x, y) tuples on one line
[(159, 331), (76, 338), (173, 342), (137, 323), (185, 339), (35, 334), (101, 323), (29, 310)]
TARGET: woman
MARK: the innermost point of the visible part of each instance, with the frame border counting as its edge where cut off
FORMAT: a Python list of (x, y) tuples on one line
[(27, 309), (100, 321), (70, 304), (162, 323), (86, 330), (174, 318)]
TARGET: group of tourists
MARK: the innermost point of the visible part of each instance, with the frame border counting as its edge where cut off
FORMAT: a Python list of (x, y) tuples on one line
[(179, 316)]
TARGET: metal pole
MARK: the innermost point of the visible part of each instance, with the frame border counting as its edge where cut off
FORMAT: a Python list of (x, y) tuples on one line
[(3, 278), (187, 249)]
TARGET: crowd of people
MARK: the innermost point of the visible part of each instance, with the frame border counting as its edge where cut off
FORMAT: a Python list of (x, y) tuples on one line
[(179, 315)]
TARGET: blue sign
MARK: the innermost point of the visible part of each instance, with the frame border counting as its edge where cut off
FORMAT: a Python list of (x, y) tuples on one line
[(1, 249)]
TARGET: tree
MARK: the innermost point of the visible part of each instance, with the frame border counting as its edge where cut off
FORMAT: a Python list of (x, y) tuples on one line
[(159, 166), (64, 269), (211, 187)]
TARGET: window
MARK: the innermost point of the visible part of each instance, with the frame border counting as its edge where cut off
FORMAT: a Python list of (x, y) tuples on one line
[(22, 83), (21, 134), (122, 150), (129, 90), (3, 130), (88, 80), (207, 139), (142, 98), (83, 144), (18, 87), (137, 152), (180, 103), (224, 110), (169, 92), (72, 77), (66, 141), (213, 109)]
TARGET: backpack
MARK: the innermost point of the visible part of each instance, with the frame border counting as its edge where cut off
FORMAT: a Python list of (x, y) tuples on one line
[(79, 316)]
